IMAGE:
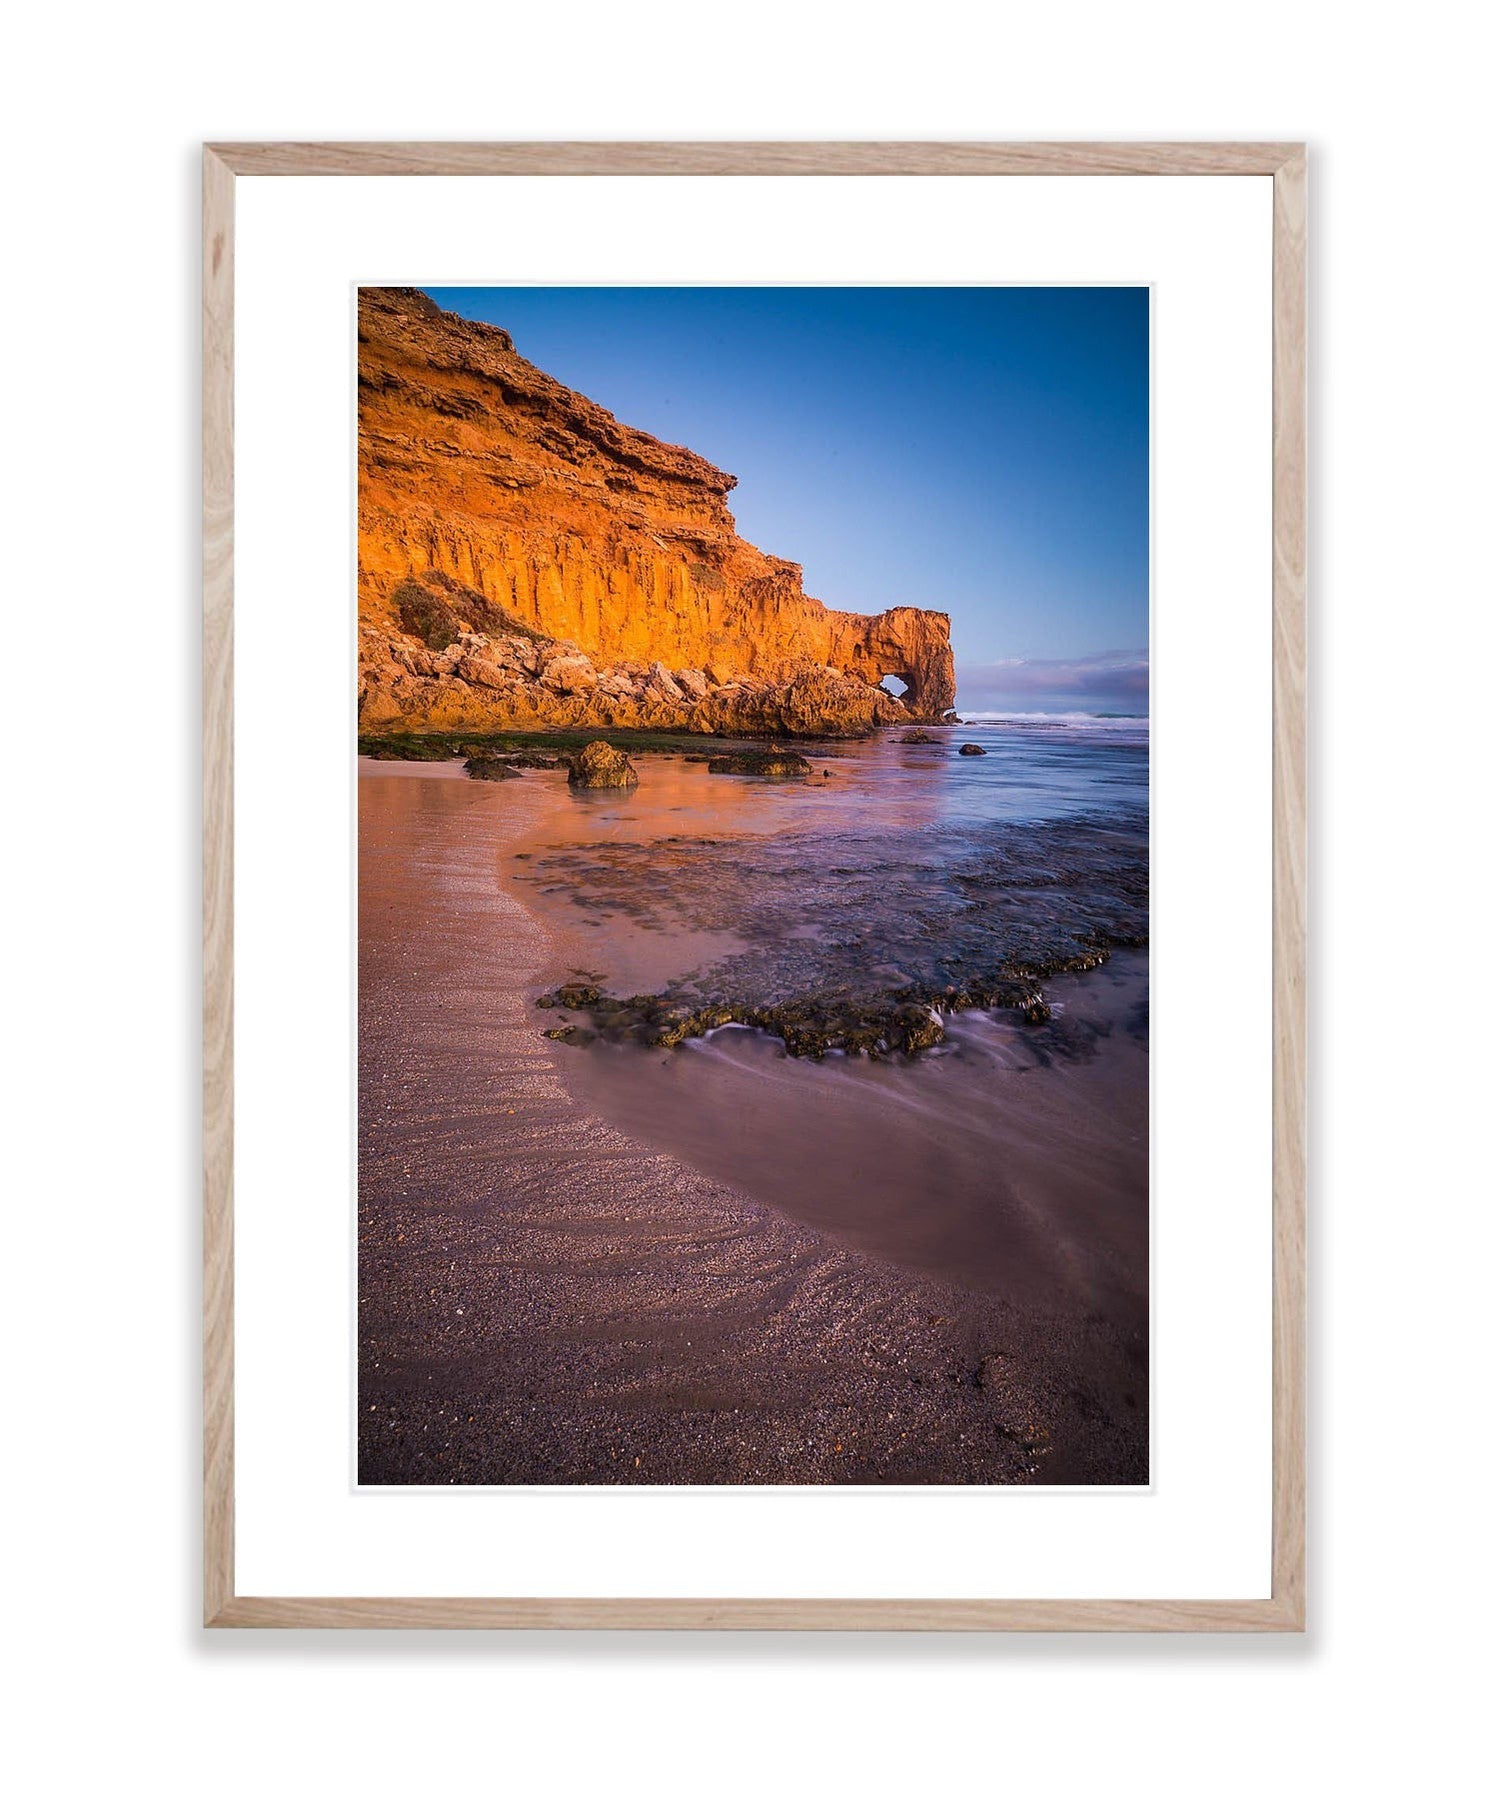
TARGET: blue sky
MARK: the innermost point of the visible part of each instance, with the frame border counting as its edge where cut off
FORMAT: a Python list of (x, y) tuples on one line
[(983, 451)]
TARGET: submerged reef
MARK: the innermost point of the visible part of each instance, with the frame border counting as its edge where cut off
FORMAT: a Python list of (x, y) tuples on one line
[(854, 943)]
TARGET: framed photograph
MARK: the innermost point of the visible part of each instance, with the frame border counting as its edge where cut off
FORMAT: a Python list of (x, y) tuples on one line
[(754, 802)]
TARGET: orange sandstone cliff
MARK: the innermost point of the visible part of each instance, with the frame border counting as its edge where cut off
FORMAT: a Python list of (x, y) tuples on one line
[(525, 559)]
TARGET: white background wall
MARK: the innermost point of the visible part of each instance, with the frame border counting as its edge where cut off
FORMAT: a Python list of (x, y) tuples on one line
[(98, 352)]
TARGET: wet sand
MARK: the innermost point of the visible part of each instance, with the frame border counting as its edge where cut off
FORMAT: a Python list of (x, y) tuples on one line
[(981, 1162), (549, 1294)]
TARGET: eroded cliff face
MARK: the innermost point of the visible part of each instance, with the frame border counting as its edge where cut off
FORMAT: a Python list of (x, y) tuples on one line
[(526, 559)]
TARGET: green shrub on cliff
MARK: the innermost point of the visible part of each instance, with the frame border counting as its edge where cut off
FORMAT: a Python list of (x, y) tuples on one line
[(436, 608), (425, 615)]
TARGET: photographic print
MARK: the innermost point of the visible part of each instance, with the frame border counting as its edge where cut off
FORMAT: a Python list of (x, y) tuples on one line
[(753, 886)]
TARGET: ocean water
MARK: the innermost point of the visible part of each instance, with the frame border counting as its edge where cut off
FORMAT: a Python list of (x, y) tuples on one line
[(1011, 1157), (892, 863)]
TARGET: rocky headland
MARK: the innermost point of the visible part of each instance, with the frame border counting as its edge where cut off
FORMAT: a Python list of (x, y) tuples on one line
[(526, 561)]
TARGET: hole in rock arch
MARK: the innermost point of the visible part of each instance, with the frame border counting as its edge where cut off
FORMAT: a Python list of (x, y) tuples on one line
[(895, 685)]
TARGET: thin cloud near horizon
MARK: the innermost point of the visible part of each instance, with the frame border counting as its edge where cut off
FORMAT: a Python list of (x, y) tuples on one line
[(1119, 681)]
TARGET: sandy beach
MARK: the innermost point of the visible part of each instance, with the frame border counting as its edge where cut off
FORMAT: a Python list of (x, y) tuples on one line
[(716, 1264)]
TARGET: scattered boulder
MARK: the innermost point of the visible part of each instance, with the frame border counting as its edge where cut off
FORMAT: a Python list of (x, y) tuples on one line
[(776, 764), (415, 660), (573, 996), (531, 759), (499, 681), (819, 704), (514, 760), (569, 674), (569, 1033), (972, 749), (521, 653), (479, 673), (919, 737), (599, 764), (490, 768), (662, 682)]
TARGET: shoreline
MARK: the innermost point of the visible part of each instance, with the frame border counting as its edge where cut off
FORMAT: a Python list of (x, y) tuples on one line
[(545, 1299)]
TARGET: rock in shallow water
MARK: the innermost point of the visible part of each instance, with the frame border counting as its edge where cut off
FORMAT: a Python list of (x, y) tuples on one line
[(599, 764), (778, 764), (489, 768), (531, 759), (972, 749)]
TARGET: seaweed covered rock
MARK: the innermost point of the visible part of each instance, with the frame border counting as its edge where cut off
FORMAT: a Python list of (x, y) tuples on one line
[(405, 749), (531, 759), (920, 737), (489, 768), (599, 764), (776, 764), (573, 996), (902, 1022)]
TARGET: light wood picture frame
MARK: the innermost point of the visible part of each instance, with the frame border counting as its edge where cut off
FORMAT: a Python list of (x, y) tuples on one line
[(1285, 163)]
